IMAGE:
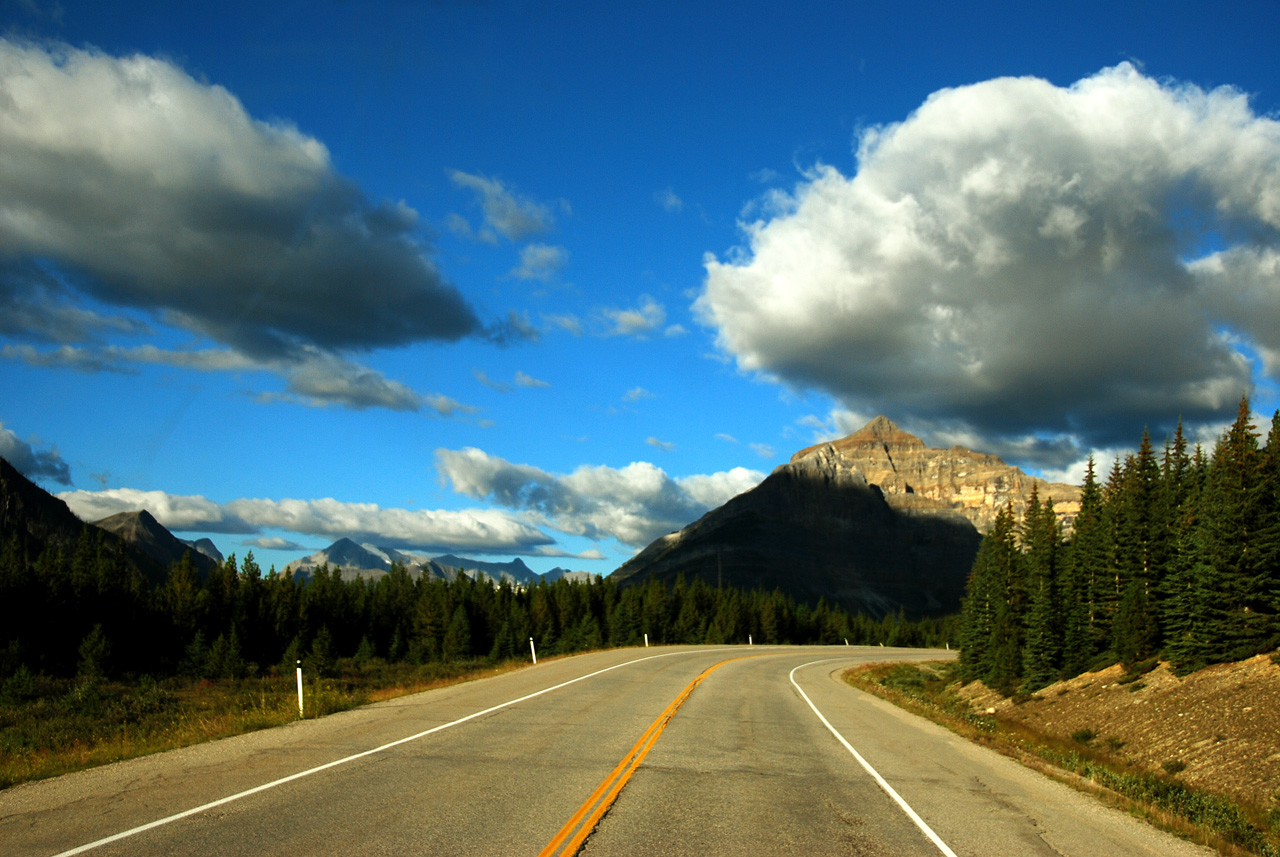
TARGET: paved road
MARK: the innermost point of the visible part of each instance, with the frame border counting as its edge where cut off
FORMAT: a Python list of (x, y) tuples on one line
[(745, 766)]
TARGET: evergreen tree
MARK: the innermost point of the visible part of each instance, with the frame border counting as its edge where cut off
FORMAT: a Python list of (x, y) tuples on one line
[(1084, 579), (1267, 542), (993, 624), (1042, 539), (457, 637), (1233, 578)]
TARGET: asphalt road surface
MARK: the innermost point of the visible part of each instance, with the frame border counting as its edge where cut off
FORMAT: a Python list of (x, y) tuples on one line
[(745, 765)]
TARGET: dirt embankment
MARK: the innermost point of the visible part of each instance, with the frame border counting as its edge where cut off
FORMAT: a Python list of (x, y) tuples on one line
[(1218, 729)]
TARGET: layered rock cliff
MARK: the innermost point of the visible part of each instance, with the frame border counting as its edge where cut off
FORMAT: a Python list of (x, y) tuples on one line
[(915, 478)]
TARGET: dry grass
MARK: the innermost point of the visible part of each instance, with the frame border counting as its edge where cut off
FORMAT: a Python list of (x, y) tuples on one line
[(50, 727)]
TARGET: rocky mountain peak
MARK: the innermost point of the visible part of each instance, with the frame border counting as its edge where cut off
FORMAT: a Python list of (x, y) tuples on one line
[(918, 479), (881, 438), (141, 530)]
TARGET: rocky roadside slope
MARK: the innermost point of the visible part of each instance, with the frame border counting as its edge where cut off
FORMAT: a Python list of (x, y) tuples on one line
[(1222, 723)]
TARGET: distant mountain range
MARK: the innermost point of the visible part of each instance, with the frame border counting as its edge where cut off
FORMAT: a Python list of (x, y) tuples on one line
[(372, 562), (876, 522), (41, 521)]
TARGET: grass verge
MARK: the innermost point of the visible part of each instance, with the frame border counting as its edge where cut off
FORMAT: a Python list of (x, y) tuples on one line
[(54, 726), (1232, 828)]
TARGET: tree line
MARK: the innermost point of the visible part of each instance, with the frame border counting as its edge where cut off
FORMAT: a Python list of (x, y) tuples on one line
[(1176, 555), (91, 612)]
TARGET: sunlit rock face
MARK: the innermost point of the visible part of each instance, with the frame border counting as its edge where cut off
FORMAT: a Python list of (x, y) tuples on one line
[(875, 522), (915, 478)]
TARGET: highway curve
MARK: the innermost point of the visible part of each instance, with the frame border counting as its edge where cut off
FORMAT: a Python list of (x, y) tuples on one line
[(702, 751)]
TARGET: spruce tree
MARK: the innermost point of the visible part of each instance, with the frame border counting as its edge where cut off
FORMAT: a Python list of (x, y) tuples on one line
[(1232, 576), (1042, 649), (1085, 629), (1009, 597), (978, 609), (1267, 541)]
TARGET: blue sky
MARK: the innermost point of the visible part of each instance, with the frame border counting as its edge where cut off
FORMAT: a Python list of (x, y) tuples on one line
[(551, 279)]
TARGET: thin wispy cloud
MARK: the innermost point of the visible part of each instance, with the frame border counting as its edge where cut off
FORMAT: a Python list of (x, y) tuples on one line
[(275, 543), (568, 323), (641, 321), (668, 200), (313, 377), (540, 262), (665, 446), (521, 380), (506, 213), (497, 386), (529, 382)]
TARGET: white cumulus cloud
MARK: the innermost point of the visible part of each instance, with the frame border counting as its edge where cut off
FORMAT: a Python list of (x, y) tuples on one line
[(634, 504), (477, 530), (1020, 259), (160, 192), (127, 183)]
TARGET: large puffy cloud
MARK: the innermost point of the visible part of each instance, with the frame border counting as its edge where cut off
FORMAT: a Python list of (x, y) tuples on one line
[(125, 182), (476, 530), (1024, 261), (634, 504), (33, 463)]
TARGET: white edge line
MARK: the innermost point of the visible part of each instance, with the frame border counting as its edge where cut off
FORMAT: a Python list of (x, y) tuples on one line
[(911, 813), (160, 822)]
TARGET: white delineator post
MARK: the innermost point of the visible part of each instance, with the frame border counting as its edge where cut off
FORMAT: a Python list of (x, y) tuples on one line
[(646, 641), (533, 651), (299, 688), (749, 643)]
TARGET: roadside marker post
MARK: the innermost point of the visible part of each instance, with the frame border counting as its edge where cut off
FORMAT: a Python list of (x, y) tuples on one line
[(749, 643), (646, 641), (299, 687), (533, 651)]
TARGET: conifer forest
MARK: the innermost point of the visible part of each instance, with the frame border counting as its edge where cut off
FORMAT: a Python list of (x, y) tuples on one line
[(88, 614), (1176, 555)]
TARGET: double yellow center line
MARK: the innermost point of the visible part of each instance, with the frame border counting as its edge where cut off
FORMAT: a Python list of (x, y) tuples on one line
[(579, 827)]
